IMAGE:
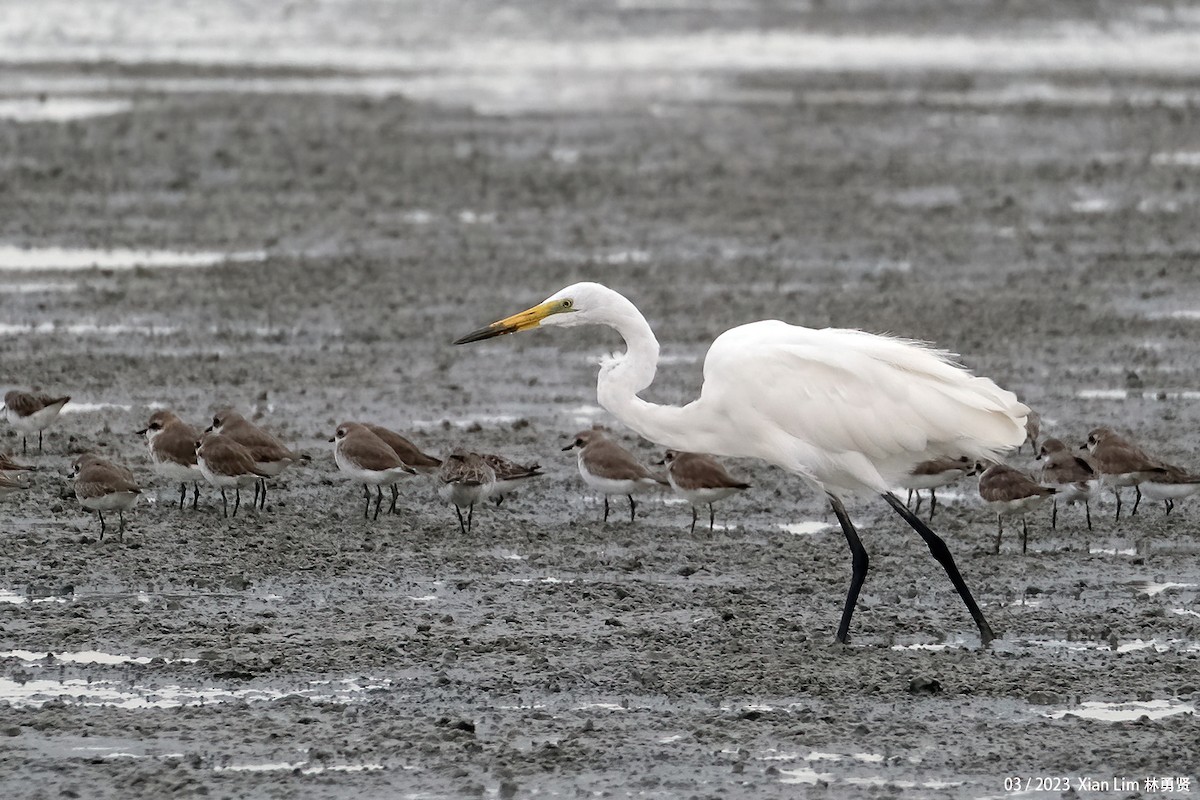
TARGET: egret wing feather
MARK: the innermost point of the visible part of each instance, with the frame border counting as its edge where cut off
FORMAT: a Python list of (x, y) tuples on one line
[(857, 410)]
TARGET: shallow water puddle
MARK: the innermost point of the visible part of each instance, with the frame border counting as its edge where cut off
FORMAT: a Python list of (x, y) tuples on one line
[(1152, 589), (1125, 712), (110, 693), (13, 257), (61, 109), (85, 657), (7, 596), (1113, 551), (34, 287), (804, 527)]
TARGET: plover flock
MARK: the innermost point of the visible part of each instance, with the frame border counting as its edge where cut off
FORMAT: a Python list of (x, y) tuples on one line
[(233, 454)]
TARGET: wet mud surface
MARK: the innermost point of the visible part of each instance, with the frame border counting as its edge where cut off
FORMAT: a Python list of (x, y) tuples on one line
[(304, 652)]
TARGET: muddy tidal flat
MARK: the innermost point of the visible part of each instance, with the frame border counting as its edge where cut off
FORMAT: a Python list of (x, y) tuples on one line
[(296, 216)]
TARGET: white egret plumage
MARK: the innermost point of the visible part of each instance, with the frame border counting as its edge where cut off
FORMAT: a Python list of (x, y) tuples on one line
[(852, 412)]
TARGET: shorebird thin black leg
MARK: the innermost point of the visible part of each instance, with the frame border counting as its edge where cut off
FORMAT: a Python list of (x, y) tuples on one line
[(39, 441), (367, 507), (917, 507), (999, 532), (195, 495), (693, 530), (1024, 535), (470, 517), (462, 526), (1117, 492), (24, 445), (224, 503), (859, 564), (395, 496), (121, 530), (101, 515), (942, 553), (1170, 504), (1087, 509), (237, 499), (606, 508), (632, 507), (712, 518), (1137, 498), (378, 500), (1054, 514), (932, 503), (262, 502), (908, 502)]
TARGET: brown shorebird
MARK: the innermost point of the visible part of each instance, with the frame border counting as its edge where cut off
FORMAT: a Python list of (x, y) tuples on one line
[(367, 459), (509, 475), (1122, 463), (700, 480), (8, 465), (172, 445), (270, 455), (464, 480), (1009, 491), (1174, 484), (932, 475), (32, 413), (611, 469), (226, 464), (1075, 478), (101, 485)]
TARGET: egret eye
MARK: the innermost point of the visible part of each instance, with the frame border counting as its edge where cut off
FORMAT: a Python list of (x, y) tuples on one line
[(567, 304)]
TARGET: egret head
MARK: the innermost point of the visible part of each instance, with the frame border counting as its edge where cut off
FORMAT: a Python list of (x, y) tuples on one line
[(578, 304)]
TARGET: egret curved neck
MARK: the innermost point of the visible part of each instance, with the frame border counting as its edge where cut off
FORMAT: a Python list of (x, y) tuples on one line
[(623, 375)]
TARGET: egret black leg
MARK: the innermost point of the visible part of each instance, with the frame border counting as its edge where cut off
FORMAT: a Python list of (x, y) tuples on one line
[(693, 529), (606, 508), (462, 525), (932, 503), (942, 553), (378, 500), (711, 517), (395, 497), (1054, 514), (1137, 498), (632, 507), (182, 494), (224, 503), (859, 564), (101, 515)]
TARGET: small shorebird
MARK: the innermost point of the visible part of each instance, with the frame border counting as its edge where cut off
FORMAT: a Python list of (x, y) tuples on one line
[(32, 413), (101, 485), (1174, 484), (611, 469), (465, 479), (226, 464), (1033, 429), (509, 475), (270, 455), (933, 475), (1122, 463), (1010, 491), (7, 465), (172, 445), (408, 452), (700, 480), (1073, 477), (10, 484), (367, 459)]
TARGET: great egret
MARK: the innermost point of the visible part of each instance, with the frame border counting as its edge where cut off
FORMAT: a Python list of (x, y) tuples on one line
[(851, 412)]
